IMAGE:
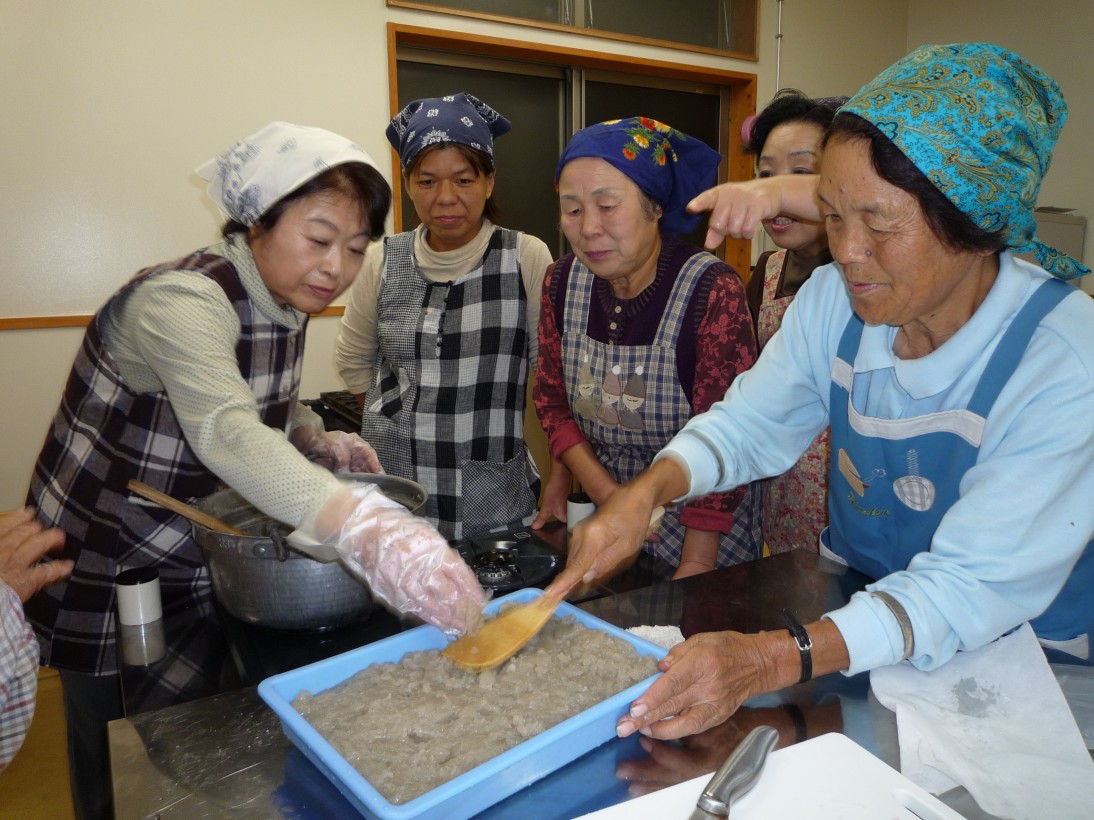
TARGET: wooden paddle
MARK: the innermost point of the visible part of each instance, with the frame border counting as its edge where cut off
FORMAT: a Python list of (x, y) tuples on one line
[(502, 637), (185, 510)]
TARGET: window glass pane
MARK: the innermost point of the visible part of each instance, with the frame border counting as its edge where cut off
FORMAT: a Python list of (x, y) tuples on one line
[(525, 157), (546, 11), (702, 24), (718, 25)]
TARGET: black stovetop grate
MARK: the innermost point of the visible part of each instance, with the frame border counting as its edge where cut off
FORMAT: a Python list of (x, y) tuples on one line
[(344, 404)]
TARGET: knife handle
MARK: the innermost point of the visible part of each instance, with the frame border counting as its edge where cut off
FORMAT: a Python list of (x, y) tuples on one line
[(740, 771)]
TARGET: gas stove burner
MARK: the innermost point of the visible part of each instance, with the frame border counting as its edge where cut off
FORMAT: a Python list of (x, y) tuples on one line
[(505, 562)]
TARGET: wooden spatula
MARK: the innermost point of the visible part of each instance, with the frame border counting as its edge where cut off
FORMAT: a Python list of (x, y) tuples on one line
[(183, 509), (502, 637)]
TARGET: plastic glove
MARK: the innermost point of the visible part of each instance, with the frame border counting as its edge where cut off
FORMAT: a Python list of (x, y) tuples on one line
[(406, 562), (337, 451)]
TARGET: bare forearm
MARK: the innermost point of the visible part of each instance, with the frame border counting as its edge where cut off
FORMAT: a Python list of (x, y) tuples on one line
[(594, 479)]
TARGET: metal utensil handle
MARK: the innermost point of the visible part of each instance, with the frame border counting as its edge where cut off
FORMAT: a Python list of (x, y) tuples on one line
[(740, 771)]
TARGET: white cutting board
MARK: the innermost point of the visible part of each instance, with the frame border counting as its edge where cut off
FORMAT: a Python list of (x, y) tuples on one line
[(825, 778)]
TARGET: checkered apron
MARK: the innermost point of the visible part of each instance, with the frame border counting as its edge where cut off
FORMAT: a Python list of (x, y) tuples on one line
[(104, 435), (446, 407), (628, 402)]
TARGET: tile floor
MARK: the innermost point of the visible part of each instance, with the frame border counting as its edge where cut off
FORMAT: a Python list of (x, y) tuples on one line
[(35, 786)]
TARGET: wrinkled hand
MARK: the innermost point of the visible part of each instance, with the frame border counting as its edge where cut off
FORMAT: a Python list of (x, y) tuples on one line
[(607, 542), (338, 451), (23, 543), (738, 208), (706, 679), (407, 563)]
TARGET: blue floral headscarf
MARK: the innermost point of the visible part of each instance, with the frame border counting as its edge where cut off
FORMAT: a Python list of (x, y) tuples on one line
[(981, 123), (667, 164), (456, 118)]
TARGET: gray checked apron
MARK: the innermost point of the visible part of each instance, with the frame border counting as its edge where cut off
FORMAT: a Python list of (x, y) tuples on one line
[(446, 407)]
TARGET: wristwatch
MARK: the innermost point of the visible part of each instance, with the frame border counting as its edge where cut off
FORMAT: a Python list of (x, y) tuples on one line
[(804, 643)]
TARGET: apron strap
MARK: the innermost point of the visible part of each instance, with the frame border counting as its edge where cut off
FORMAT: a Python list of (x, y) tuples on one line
[(1008, 353)]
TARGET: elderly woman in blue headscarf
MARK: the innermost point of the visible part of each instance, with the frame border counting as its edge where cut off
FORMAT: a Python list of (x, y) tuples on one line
[(640, 332), (439, 334), (957, 379)]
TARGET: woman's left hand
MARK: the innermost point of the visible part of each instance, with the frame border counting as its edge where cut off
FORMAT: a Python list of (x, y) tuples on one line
[(706, 679), (554, 496), (339, 452)]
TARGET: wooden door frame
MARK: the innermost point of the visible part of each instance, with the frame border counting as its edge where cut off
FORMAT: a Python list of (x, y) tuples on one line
[(738, 86)]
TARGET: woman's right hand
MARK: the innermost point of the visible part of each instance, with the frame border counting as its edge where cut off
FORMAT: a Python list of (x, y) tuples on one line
[(406, 562), (737, 209), (607, 542)]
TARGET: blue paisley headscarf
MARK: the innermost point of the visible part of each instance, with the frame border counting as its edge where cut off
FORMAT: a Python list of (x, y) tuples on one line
[(667, 164), (980, 122), (455, 118)]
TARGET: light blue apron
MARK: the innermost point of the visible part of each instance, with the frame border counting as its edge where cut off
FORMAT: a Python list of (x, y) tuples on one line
[(914, 478)]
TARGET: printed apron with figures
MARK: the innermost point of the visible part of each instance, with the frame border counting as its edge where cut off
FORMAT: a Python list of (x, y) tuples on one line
[(796, 502), (628, 401), (888, 490)]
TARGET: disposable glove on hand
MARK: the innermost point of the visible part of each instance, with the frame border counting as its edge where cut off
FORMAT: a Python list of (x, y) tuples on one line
[(339, 452), (406, 562)]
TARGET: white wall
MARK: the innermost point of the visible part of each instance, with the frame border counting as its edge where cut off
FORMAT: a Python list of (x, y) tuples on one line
[(108, 106), (1056, 37), (833, 48)]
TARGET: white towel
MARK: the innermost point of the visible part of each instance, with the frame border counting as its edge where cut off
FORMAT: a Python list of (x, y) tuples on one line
[(995, 721)]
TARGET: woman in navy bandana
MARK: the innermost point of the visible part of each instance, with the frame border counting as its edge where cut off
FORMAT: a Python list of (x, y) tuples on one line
[(640, 332), (439, 333), (957, 379)]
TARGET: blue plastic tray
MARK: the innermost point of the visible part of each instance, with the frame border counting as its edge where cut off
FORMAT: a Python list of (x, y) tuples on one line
[(486, 784)]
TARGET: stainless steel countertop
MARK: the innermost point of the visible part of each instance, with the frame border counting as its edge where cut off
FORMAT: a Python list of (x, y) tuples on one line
[(226, 756)]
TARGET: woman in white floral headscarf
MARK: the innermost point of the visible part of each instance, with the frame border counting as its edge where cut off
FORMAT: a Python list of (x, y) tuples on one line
[(189, 377)]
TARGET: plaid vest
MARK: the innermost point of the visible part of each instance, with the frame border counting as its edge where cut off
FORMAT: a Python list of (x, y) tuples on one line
[(446, 407), (102, 436)]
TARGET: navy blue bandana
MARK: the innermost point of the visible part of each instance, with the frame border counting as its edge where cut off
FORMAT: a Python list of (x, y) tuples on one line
[(667, 164), (457, 118)]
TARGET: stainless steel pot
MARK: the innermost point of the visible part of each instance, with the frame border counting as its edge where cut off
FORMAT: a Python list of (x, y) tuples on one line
[(260, 580)]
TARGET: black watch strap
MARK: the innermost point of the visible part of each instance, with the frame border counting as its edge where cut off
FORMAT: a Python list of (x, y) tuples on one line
[(804, 643)]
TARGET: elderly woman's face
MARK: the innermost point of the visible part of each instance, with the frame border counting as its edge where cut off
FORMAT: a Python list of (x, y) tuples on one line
[(313, 252), (604, 218), (897, 271)]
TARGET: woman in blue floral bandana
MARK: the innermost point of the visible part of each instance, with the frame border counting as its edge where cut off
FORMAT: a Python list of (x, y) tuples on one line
[(439, 334), (957, 379), (640, 332)]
